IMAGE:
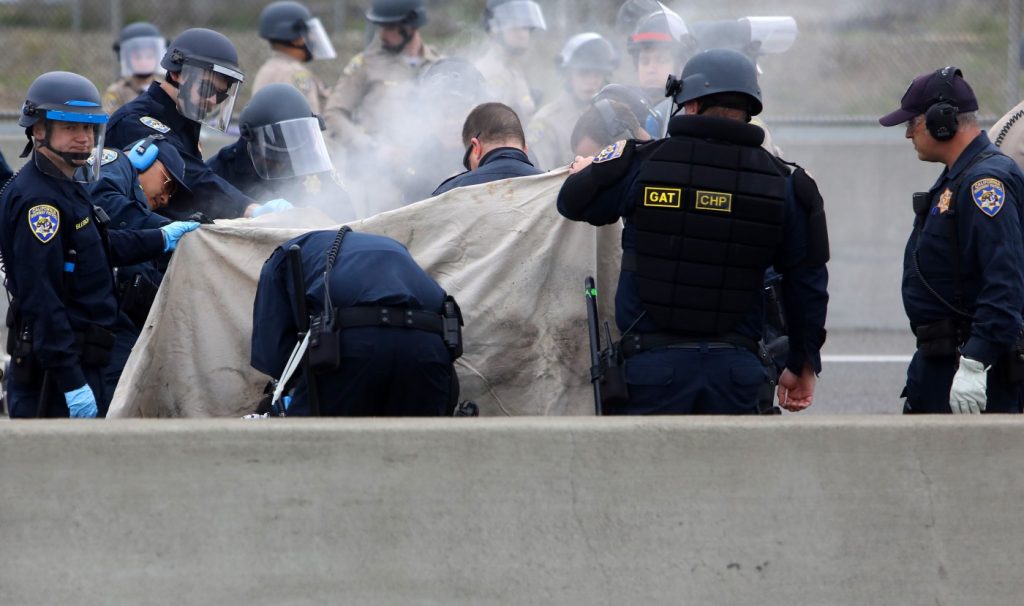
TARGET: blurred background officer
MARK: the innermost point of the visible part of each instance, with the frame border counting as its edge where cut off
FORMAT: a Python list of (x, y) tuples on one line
[(448, 90), (370, 92), (5, 171), (138, 50), (58, 256), (131, 186), (199, 88), (495, 148), (586, 63), (391, 357), (605, 122), (705, 212), (281, 153), (659, 46), (511, 24), (963, 269), (296, 37), (1008, 134)]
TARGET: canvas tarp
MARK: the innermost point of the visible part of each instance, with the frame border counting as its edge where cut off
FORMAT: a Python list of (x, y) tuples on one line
[(514, 264)]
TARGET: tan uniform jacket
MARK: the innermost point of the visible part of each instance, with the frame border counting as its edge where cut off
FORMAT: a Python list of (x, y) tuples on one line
[(1010, 142), (124, 90), (371, 92), (549, 134), (285, 69), (507, 82)]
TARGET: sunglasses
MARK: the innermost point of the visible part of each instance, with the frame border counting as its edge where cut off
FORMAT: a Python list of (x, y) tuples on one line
[(208, 89)]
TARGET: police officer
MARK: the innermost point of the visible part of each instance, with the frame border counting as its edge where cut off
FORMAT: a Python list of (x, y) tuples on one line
[(705, 212), (296, 37), (281, 154), (389, 348), (511, 24), (373, 87), (495, 148), (58, 255), (200, 88), (5, 171), (586, 62), (963, 286), (1008, 134), (138, 50), (605, 122)]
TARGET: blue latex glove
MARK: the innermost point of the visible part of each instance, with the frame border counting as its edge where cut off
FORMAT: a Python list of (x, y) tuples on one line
[(81, 402), (174, 231), (274, 206)]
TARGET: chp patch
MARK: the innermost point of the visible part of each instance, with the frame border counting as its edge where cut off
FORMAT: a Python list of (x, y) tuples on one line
[(611, 152), (155, 124), (108, 156), (44, 220), (989, 195)]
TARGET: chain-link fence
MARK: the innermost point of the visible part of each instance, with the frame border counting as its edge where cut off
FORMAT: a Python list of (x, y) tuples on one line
[(849, 59)]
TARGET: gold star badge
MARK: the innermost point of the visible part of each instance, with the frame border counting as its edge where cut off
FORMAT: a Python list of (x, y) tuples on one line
[(944, 200)]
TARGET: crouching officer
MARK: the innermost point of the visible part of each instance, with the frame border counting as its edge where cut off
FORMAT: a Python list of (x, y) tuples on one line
[(281, 155), (131, 186), (963, 286), (58, 253), (706, 211), (383, 334)]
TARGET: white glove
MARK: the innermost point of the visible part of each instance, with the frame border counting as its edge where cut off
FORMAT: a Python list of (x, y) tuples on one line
[(967, 396)]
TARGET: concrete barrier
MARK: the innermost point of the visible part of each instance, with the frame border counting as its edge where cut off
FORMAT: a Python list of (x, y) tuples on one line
[(839, 510)]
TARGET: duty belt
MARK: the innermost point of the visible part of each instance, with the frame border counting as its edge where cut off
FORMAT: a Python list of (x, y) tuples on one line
[(399, 317), (633, 344)]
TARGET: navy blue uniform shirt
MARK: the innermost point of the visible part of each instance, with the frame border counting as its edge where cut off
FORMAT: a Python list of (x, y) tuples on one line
[(153, 112), (321, 190), (497, 164), (804, 288), (981, 199), (371, 270), (42, 217)]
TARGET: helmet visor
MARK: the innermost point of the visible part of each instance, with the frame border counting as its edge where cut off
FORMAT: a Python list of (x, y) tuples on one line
[(518, 14), (291, 148), (141, 56), (771, 35), (207, 93), (317, 41)]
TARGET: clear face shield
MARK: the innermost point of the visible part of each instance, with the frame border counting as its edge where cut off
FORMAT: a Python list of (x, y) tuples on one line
[(521, 14), (141, 56), (291, 148), (207, 93), (317, 41)]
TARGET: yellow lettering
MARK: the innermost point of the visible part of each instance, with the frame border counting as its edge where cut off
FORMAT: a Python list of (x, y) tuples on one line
[(662, 197)]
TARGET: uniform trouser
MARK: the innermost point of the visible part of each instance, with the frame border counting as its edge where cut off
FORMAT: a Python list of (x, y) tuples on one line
[(386, 372), (23, 399), (929, 380), (710, 379)]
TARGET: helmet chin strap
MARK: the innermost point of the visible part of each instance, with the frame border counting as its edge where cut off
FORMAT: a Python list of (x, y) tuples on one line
[(73, 159)]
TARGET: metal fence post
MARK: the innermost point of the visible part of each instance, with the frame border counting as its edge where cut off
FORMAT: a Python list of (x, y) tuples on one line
[(1013, 55)]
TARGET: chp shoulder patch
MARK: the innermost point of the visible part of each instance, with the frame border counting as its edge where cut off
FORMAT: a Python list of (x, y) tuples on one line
[(44, 220), (155, 124), (353, 64), (302, 80), (989, 195), (108, 156), (611, 152)]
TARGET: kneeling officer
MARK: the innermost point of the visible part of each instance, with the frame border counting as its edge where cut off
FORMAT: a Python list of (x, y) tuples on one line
[(387, 343)]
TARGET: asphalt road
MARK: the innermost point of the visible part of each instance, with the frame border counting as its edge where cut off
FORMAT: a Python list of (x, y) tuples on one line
[(863, 372)]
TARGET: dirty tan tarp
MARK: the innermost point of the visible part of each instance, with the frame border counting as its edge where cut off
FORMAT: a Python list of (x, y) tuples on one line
[(514, 264)]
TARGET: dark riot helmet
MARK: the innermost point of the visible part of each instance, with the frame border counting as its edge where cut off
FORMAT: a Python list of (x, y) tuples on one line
[(207, 75), (139, 49), (64, 97), (718, 70), (453, 77), (139, 29), (631, 12), (284, 20), (398, 12), (283, 136), (661, 28), (203, 45), (590, 51), (502, 14)]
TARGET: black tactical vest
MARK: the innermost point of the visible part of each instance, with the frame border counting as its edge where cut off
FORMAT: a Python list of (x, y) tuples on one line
[(708, 219)]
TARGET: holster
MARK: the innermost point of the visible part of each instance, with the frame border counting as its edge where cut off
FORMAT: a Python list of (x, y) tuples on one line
[(941, 339), (324, 352), (24, 366), (614, 387), (95, 345), (136, 298)]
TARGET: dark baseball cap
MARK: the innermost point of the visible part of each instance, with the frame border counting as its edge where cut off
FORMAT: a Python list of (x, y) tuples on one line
[(928, 89), (171, 159)]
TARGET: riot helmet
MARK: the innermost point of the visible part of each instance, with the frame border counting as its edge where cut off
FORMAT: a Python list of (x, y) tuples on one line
[(630, 14), (511, 14), (412, 13), (139, 49), (282, 134), (590, 51), (659, 46), (453, 77), (284, 22), (206, 74), (70, 108), (752, 36), (631, 97), (716, 71)]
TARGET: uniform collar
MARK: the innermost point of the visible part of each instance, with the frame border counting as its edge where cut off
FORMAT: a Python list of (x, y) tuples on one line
[(169, 115), (975, 147), (712, 127), (504, 152)]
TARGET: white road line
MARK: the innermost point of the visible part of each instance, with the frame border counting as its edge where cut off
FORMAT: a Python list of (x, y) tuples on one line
[(864, 359)]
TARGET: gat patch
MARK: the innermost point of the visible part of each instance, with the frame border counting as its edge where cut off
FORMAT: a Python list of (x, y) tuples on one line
[(155, 124), (44, 220), (713, 200), (611, 152), (989, 196), (663, 197)]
